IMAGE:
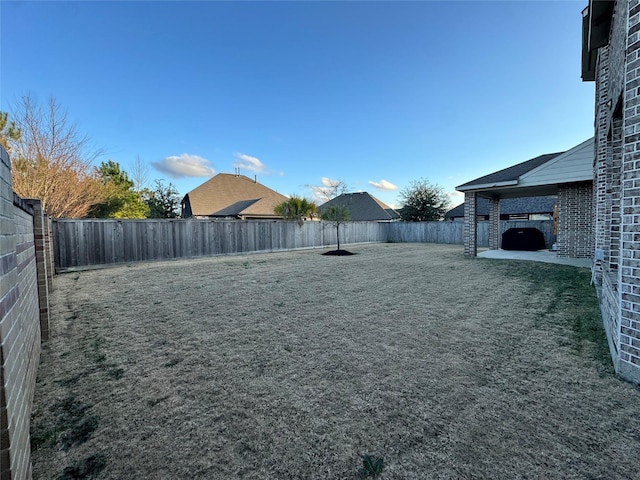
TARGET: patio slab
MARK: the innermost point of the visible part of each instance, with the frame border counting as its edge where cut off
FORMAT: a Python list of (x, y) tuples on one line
[(546, 256)]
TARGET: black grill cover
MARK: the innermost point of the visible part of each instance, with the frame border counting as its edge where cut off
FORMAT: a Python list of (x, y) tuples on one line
[(530, 239)]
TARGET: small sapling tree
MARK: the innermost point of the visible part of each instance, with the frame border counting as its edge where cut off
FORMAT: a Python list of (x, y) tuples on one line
[(337, 215)]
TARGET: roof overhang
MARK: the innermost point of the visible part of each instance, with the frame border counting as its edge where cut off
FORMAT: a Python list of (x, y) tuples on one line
[(487, 186), (596, 25)]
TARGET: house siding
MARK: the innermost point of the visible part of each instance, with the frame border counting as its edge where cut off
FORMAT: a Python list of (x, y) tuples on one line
[(617, 187), (569, 167)]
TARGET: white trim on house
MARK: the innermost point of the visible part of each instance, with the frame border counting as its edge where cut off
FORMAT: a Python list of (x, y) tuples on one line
[(574, 165), (482, 186)]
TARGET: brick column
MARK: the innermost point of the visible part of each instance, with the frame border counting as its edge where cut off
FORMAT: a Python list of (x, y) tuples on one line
[(575, 220), (494, 223), (470, 224), (40, 233)]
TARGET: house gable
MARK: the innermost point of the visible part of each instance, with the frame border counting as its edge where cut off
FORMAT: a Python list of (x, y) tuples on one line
[(574, 165)]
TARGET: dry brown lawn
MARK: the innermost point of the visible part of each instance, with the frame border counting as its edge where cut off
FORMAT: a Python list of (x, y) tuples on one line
[(294, 365)]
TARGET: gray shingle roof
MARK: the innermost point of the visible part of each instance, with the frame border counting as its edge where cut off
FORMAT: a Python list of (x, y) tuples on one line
[(511, 173), (363, 207), (510, 206)]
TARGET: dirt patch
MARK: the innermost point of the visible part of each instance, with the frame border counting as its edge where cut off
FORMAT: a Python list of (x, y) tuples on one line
[(293, 365)]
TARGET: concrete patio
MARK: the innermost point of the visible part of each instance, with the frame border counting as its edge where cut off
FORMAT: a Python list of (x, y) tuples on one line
[(546, 256)]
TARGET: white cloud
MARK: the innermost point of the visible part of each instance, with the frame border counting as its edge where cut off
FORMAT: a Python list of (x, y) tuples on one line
[(247, 162), (328, 182), (455, 197), (185, 165), (383, 185)]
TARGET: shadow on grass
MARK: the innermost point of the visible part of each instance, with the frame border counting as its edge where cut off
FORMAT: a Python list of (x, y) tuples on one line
[(571, 292)]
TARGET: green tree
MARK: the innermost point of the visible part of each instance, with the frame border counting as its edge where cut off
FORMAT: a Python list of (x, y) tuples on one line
[(9, 131), (122, 201), (296, 208), (423, 202), (163, 201), (337, 215)]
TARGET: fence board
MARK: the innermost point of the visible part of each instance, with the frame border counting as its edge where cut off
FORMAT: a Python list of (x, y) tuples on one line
[(93, 242)]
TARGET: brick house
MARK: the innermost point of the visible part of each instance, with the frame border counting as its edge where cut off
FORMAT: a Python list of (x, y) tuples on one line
[(566, 175), (611, 58)]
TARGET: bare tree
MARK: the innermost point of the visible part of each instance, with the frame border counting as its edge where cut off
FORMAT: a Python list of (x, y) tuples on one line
[(328, 189), (53, 161), (139, 174)]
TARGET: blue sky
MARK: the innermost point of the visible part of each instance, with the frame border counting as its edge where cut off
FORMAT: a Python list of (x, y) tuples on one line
[(376, 94)]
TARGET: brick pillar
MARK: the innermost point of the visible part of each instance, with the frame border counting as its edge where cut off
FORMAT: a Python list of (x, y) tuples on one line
[(494, 223), (575, 220), (40, 229), (470, 224)]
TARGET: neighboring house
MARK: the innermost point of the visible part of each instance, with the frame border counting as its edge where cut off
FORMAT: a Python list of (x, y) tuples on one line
[(527, 208), (566, 175), (363, 207), (231, 196), (610, 57)]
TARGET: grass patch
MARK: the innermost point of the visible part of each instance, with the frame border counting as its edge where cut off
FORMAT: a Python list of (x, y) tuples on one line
[(573, 303), (449, 367), (74, 422), (371, 466), (87, 468)]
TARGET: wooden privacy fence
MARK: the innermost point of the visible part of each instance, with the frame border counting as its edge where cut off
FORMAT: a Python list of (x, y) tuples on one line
[(94, 242)]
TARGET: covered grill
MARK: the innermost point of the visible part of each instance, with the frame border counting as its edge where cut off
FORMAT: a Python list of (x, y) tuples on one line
[(530, 239)]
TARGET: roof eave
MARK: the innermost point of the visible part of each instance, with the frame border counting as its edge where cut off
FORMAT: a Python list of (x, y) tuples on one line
[(596, 26), (485, 186)]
